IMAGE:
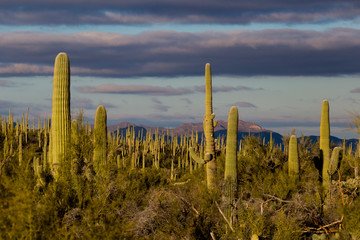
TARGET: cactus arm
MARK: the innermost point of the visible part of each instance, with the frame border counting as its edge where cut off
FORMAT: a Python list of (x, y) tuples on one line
[(336, 158), (215, 122), (196, 157), (207, 158)]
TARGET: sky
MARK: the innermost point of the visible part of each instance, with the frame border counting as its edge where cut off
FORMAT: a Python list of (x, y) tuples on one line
[(276, 60)]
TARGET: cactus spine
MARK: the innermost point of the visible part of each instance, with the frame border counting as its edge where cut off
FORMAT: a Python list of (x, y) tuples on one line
[(230, 161), (294, 166), (325, 143), (100, 139), (60, 117), (209, 125)]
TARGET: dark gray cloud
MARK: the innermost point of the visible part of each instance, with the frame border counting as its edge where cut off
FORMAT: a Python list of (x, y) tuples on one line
[(45, 12), (166, 53)]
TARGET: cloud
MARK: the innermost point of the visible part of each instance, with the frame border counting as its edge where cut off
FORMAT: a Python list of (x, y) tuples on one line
[(186, 100), (107, 105), (43, 12), (244, 105), (82, 103), (135, 89), (356, 90), (226, 88), (5, 105), (88, 104), (155, 119), (159, 105), (5, 83), (157, 101), (277, 52), (24, 69)]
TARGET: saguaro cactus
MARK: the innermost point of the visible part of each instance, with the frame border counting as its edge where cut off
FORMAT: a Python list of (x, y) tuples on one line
[(293, 165), (60, 117), (230, 161), (209, 125), (231, 145), (336, 158), (100, 139), (325, 143)]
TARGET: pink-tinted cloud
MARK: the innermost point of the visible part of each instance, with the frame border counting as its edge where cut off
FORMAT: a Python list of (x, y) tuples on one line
[(226, 88), (135, 89), (356, 90)]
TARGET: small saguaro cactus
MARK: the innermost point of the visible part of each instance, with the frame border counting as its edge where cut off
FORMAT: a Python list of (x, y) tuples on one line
[(100, 139), (209, 125), (231, 145), (293, 164), (231, 161), (60, 117), (336, 158)]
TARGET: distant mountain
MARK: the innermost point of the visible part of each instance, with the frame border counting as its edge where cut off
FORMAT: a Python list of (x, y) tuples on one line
[(244, 128), (188, 127), (221, 125)]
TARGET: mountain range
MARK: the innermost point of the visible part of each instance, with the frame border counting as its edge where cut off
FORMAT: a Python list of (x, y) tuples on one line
[(244, 129)]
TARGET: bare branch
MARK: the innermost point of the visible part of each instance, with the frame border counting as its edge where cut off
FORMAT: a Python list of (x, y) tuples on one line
[(222, 214)]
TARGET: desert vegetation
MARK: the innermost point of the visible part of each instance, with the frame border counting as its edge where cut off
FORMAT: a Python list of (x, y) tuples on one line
[(65, 179)]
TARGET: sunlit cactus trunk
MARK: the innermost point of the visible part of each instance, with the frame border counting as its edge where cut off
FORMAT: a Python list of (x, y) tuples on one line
[(100, 139), (231, 161), (209, 125), (325, 143), (60, 117), (209, 129), (293, 164)]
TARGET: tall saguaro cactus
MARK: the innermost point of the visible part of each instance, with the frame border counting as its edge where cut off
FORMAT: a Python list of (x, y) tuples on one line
[(325, 143), (230, 161), (60, 117), (100, 139), (209, 125)]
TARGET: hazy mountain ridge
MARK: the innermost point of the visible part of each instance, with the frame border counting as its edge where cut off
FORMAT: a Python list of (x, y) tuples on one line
[(188, 127), (244, 128)]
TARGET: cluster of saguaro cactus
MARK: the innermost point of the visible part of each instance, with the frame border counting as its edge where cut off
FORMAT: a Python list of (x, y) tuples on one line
[(60, 117), (62, 132)]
